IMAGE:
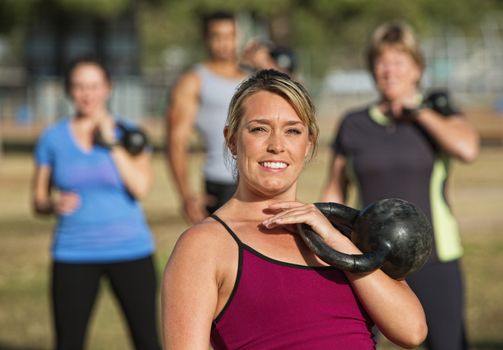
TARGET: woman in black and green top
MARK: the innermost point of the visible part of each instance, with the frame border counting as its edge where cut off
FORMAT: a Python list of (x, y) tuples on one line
[(401, 147)]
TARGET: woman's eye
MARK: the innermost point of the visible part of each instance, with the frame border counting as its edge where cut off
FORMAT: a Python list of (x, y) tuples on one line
[(257, 129), (294, 131)]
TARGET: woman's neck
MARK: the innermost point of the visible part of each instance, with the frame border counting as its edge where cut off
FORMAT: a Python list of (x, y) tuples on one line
[(97, 114), (409, 95), (90, 120), (251, 207)]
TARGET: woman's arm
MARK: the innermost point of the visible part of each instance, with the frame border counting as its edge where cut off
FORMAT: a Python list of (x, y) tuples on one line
[(135, 171), (393, 307), (190, 292), (41, 191), (391, 304), (335, 189), (454, 135), (42, 198)]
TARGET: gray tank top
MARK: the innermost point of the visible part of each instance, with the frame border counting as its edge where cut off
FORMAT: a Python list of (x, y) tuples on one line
[(215, 95)]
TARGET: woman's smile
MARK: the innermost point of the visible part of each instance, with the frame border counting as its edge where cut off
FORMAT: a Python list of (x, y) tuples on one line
[(274, 165)]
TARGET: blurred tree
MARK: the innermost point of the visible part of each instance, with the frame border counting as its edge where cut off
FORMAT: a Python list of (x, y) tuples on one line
[(321, 26), (13, 13), (96, 7), (16, 13)]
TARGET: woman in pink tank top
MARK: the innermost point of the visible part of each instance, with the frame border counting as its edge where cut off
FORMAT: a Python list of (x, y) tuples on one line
[(243, 279)]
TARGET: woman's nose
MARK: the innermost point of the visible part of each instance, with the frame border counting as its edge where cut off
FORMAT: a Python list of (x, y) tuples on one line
[(276, 144)]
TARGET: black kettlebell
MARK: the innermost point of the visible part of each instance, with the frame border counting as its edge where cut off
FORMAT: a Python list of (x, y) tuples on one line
[(436, 100), (439, 101), (133, 139), (393, 235)]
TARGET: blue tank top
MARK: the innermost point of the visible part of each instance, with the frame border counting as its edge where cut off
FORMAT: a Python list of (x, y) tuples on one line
[(215, 96), (278, 305), (109, 224)]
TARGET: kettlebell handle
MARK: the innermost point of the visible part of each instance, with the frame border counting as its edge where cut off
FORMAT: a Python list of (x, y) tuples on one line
[(339, 214), (347, 262)]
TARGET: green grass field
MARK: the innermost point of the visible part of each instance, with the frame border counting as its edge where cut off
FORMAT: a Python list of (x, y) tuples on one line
[(476, 195)]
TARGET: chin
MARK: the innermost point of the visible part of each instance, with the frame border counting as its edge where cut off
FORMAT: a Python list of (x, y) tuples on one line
[(391, 95), (272, 190), (87, 110)]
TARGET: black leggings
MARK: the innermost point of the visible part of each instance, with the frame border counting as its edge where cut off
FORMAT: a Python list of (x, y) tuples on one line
[(74, 291), (439, 287)]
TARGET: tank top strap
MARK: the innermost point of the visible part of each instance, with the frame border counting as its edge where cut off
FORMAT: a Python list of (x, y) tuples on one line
[(233, 235)]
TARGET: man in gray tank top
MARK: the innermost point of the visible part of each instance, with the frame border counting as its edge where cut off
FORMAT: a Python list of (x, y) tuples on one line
[(200, 99)]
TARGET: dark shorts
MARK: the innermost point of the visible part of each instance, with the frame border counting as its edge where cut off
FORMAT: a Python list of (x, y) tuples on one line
[(219, 193), (439, 287)]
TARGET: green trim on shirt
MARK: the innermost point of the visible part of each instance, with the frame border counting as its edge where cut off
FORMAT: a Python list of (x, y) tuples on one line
[(377, 116), (445, 227), (380, 118)]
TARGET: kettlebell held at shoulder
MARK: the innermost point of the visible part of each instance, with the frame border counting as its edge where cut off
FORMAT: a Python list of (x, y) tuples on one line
[(132, 138), (393, 235), (440, 102)]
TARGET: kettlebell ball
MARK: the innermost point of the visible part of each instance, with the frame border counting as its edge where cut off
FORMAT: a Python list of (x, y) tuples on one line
[(134, 140)]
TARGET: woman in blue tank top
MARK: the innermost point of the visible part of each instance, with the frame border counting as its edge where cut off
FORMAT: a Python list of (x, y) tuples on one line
[(243, 279), (93, 189)]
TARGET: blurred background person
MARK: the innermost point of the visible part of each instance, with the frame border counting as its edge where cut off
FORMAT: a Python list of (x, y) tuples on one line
[(200, 100), (401, 146), (94, 189)]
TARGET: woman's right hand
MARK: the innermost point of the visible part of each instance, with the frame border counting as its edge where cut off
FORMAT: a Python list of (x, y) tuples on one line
[(105, 130), (66, 203), (291, 213), (401, 109)]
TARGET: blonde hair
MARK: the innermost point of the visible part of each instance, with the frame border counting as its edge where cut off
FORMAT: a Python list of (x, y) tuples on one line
[(280, 84), (396, 35)]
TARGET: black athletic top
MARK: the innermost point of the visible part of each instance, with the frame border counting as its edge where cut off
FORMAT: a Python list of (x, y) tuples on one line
[(397, 159)]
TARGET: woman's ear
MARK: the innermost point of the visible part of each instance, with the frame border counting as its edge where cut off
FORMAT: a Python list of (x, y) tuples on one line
[(309, 147), (231, 145)]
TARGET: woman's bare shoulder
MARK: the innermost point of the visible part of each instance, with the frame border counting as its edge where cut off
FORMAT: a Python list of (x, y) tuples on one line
[(207, 236)]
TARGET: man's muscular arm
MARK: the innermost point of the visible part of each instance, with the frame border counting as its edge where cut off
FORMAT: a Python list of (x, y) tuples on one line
[(181, 115)]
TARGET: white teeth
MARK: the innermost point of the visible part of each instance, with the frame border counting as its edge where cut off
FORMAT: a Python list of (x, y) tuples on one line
[(274, 165)]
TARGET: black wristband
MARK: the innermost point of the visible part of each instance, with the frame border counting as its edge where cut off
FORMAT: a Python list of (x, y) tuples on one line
[(46, 209), (411, 113), (110, 145)]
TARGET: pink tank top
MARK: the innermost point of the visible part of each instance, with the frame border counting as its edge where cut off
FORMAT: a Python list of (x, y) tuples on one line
[(278, 305)]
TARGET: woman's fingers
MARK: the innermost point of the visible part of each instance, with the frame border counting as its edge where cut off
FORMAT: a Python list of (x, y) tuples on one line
[(298, 213), (283, 209), (67, 203)]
